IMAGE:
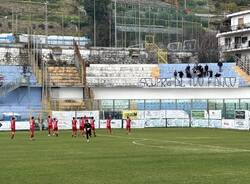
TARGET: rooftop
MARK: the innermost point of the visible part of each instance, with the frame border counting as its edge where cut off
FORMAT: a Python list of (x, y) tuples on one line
[(238, 13)]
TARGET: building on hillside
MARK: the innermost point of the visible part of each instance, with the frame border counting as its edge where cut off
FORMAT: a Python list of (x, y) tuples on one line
[(234, 39)]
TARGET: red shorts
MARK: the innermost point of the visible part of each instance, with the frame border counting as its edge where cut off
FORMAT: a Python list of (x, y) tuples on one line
[(128, 127), (81, 127), (32, 130), (50, 127), (108, 127), (74, 129), (56, 129), (13, 130)]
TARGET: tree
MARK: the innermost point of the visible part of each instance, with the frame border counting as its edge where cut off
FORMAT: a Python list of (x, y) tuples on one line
[(208, 51), (102, 16)]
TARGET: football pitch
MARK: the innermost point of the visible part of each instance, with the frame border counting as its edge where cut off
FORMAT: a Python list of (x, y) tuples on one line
[(147, 156)]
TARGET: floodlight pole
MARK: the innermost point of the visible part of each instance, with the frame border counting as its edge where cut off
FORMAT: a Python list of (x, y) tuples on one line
[(46, 22), (115, 23), (94, 25)]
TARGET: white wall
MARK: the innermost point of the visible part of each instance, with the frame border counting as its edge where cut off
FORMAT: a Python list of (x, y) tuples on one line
[(234, 20), (150, 93), (67, 93)]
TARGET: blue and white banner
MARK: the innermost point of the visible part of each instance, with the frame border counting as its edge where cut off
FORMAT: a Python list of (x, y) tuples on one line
[(135, 123), (215, 123), (241, 124), (178, 122), (176, 114), (153, 123), (199, 123), (155, 114)]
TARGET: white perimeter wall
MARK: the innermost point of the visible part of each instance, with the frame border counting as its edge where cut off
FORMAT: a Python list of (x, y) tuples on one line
[(150, 93), (67, 93)]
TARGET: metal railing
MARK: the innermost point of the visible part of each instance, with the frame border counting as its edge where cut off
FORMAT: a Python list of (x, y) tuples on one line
[(10, 86), (232, 47), (229, 28), (79, 63)]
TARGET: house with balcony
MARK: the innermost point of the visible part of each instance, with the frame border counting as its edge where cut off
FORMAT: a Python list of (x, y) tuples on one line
[(234, 39)]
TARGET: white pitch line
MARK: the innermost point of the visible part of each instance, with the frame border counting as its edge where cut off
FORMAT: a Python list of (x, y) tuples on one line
[(137, 141), (212, 147)]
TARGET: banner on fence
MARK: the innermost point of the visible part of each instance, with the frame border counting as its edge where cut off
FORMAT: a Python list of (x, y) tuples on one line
[(136, 124), (199, 123), (228, 123), (199, 114), (215, 123), (64, 119), (115, 123), (20, 125), (176, 114), (178, 122), (215, 114), (241, 114), (155, 114), (153, 123), (241, 124), (133, 114), (89, 114)]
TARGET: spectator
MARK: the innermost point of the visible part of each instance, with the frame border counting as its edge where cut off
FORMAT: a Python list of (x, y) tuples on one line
[(181, 74), (210, 73), (217, 75), (220, 64), (175, 74), (206, 70)]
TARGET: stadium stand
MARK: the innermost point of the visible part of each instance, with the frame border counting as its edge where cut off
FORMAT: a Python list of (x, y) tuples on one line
[(21, 101), (117, 75), (129, 75), (118, 56), (15, 74), (9, 56), (63, 76)]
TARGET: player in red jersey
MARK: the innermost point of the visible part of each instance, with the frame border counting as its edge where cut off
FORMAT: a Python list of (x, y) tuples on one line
[(50, 125), (55, 127), (128, 125), (32, 128), (108, 125), (74, 128), (13, 127), (82, 123), (92, 123)]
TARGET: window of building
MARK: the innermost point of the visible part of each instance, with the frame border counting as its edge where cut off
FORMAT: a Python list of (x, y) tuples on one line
[(227, 41), (240, 22), (243, 39)]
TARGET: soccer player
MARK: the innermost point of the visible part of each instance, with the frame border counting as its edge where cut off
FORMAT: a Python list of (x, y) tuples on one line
[(128, 125), (82, 124), (50, 125), (87, 127), (55, 127), (92, 122), (108, 125), (32, 128), (74, 128), (13, 127)]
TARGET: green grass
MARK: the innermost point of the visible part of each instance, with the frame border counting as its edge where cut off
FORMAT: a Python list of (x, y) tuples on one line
[(190, 156)]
